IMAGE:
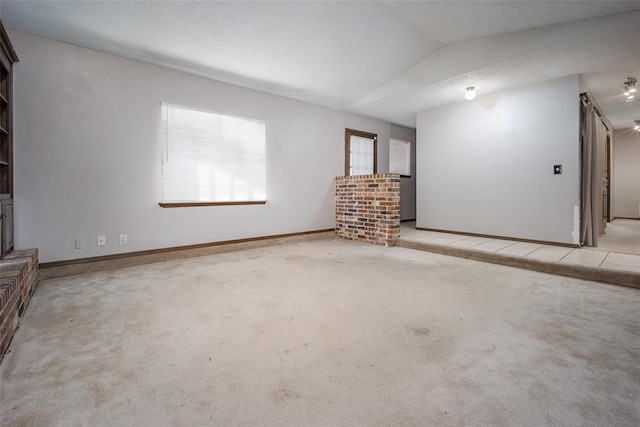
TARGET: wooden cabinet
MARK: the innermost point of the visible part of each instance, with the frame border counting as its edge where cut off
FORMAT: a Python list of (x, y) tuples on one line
[(7, 58), (6, 225)]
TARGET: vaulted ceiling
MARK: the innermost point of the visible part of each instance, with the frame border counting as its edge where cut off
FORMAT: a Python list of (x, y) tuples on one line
[(384, 59)]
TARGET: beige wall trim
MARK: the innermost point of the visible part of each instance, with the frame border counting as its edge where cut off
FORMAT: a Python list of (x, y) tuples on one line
[(488, 236), (50, 270)]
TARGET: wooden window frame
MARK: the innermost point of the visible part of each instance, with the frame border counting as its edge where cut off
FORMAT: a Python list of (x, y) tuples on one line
[(347, 148)]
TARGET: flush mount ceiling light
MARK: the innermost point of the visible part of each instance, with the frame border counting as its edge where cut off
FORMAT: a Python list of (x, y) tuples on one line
[(470, 93), (630, 88)]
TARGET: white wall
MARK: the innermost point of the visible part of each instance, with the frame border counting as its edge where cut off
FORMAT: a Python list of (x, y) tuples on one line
[(87, 154), (407, 185), (486, 166), (626, 174)]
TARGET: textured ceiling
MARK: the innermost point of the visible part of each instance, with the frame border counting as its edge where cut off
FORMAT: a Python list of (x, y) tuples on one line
[(383, 59)]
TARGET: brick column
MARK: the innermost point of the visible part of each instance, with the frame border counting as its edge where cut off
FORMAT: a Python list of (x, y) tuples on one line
[(18, 280), (367, 208)]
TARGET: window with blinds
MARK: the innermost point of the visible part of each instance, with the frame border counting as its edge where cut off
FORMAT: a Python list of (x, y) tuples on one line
[(211, 158), (360, 152), (400, 157)]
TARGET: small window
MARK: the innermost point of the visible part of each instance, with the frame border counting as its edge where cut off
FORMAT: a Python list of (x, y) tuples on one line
[(361, 153), (211, 159), (400, 157)]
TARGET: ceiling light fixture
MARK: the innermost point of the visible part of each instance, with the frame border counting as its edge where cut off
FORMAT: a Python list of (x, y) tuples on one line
[(470, 93), (630, 87)]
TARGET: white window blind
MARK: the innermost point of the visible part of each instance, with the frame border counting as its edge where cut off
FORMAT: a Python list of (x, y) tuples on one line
[(400, 157), (361, 156), (210, 157)]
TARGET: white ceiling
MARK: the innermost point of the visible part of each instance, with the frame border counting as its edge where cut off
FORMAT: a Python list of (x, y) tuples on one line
[(385, 59)]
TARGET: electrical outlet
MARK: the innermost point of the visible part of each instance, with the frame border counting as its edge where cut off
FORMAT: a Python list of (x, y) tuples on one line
[(79, 243), (102, 240), (123, 239)]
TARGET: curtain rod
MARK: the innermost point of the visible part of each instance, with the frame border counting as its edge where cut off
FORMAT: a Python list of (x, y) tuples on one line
[(586, 97)]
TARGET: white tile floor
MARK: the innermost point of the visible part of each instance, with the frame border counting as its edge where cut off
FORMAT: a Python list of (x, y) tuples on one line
[(493, 245), (587, 258), (520, 249), (550, 253), (591, 257), (622, 262)]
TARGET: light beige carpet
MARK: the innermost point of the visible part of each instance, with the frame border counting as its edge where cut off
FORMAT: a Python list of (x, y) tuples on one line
[(324, 333), (621, 235)]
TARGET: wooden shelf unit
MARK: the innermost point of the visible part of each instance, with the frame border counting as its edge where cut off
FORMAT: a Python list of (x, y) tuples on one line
[(7, 58)]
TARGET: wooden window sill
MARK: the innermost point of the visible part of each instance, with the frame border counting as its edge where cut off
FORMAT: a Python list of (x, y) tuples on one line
[(200, 204)]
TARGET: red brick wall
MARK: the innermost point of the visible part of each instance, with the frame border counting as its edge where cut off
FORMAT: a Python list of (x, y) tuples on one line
[(18, 279), (368, 208)]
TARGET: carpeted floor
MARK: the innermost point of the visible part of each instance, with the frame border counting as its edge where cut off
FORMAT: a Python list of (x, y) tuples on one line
[(324, 333), (621, 235)]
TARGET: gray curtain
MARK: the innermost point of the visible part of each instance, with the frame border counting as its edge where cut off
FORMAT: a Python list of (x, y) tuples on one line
[(602, 170), (593, 149)]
